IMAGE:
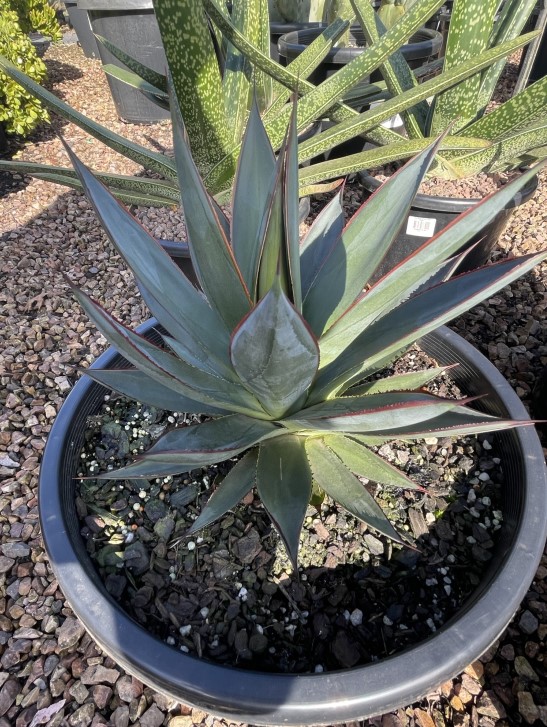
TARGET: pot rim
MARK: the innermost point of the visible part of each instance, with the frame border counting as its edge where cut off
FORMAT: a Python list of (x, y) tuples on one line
[(331, 697), (289, 45)]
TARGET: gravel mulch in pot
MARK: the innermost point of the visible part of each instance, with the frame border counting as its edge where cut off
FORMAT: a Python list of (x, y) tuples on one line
[(47, 662)]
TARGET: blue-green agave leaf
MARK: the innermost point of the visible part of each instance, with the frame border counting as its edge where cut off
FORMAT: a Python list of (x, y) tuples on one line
[(363, 243), (274, 353), (166, 368), (400, 382), (363, 462), (320, 239), (139, 386), (233, 488), (253, 184), (371, 413), (210, 250), (419, 315), (291, 211), (332, 475), (283, 477), (156, 272)]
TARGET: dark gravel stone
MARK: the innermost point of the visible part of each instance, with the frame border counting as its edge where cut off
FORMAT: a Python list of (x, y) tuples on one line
[(528, 623)]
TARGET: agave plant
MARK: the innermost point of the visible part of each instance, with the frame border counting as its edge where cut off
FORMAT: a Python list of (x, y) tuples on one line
[(281, 348), (214, 97)]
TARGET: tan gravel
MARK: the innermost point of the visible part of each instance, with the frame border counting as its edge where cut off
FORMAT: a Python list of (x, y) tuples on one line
[(46, 231)]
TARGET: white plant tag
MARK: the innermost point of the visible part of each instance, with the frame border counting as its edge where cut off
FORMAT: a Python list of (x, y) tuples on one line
[(420, 226)]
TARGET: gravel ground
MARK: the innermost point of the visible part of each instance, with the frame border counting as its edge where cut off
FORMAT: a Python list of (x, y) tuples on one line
[(47, 662)]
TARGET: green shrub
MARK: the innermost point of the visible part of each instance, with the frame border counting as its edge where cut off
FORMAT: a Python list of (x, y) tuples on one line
[(19, 110), (37, 15)]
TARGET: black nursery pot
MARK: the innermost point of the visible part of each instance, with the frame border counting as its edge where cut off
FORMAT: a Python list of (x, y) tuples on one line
[(421, 46), (313, 699), (429, 215), (130, 25)]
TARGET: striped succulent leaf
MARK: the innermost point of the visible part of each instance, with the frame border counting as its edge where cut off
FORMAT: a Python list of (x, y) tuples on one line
[(276, 358)]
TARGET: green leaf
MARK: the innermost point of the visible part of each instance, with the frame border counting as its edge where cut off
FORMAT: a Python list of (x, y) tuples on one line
[(167, 369), (320, 239), (335, 478), (148, 74), (508, 149), (210, 250), (395, 71), (238, 482), (364, 122), (252, 189), (236, 80), (376, 412), (397, 285), (420, 315), (515, 113), (199, 445), (195, 74), (158, 275), (400, 382), (161, 98), (363, 244), (284, 486), (274, 353), (291, 213), (335, 168), (137, 153), (365, 463), (512, 19), (469, 33), (139, 386)]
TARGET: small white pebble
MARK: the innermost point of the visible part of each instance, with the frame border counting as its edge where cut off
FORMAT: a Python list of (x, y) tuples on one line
[(346, 615), (429, 518), (471, 540), (259, 629), (185, 649), (356, 617), (474, 512), (431, 625), (170, 640), (142, 494), (471, 496), (191, 545), (486, 501), (387, 621), (242, 595), (185, 630), (204, 612), (448, 590), (173, 576), (199, 540), (129, 537), (486, 444), (303, 577), (318, 669), (496, 460), (137, 506), (451, 558), (484, 477), (431, 581), (498, 514), (272, 649)]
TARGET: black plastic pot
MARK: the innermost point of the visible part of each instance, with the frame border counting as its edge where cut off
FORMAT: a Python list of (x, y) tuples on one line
[(278, 29), (429, 215), (132, 26), (314, 699), (79, 19), (424, 44)]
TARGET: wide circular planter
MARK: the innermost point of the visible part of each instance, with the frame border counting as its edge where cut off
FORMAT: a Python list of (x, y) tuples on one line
[(130, 25), (429, 215), (313, 699)]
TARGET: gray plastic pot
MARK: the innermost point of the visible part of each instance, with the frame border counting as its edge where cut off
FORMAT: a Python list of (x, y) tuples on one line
[(132, 26), (307, 699)]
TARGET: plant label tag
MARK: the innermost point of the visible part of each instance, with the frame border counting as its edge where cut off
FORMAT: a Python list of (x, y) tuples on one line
[(420, 226)]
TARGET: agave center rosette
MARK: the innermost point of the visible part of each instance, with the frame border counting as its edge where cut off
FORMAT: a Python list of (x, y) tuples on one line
[(282, 344)]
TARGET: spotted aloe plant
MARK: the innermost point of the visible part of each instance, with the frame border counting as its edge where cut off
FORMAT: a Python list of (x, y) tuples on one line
[(214, 90), (283, 345), (512, 133)]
